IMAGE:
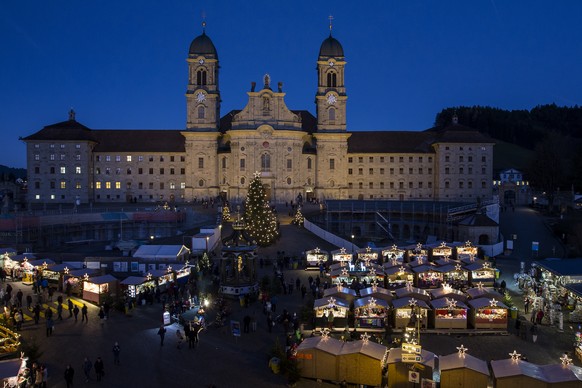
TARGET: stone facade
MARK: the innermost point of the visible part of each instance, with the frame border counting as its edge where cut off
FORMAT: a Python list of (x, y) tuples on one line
[(296, 152)]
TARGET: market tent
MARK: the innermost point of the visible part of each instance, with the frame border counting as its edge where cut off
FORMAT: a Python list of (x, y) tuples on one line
[(398, 370), (412, 292), (162, 252), (569, 268), (486, 302), (317, 358), (483, 292), (342, 292), (360, 362), (463, 371), (378, 293), (518, 373)]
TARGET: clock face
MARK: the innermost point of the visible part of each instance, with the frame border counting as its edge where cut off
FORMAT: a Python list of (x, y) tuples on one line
[(331, 99), (201, 61), (200, 97), (331, 63)]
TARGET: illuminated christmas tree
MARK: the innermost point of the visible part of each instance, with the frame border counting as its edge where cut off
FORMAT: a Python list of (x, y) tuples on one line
[(261, 221), (225, 213), (298, 218), (204, 263)]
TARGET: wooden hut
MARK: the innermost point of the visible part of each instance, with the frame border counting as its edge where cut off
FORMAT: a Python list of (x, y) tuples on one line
[(481, 272), (511, 373), (393, 256), (73, 279), (315, 257), (463, 370), (455, 275), (413, 292), (55, 273), (398, 370), (377, 292), (370, 312), (136, 285), (367, 255), (398, 276), (449, 314), (317, 358), (340, 292), (428, 276), (403, 309), (448, 292), (341, 255), (483, 292), (360, 362), (488, 314), (97, 288), (336, 306)]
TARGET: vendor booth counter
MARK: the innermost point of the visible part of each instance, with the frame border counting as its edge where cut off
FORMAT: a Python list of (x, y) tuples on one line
[(136, 285), (428, 276), (481, 272), (370, 312), (488, 314), (398, 276), (315, 258), (449, 314), (404, 308), (98, 289), (336, 306)]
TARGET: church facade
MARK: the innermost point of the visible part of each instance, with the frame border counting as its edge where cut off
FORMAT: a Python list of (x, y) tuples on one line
[(296, 152)]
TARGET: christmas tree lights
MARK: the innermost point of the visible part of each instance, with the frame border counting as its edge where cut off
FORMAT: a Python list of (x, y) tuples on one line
[(261, 222)]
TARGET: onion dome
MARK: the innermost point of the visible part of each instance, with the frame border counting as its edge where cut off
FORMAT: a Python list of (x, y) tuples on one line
[(202, 45), (331, 47)]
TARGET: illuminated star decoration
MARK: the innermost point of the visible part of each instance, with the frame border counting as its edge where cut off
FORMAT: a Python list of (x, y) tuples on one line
[(419, 260), (257, 174), (367, 260), (365, 337), (372, 273), (412, 302), (394, 261), (86, 277), (331, 301), (394, 247), (515, 356), (317, 250), (345, 272), (480, 286), (419, 247), (325, 334), (457, 267), (44, 265), (66, 270), (451, 303), (493, 302), (401, 270), (468, 244), (447, 287), (374, 285), (462, 350), (368, 249), (446, 258), (169, 268), (343, 251), (566, 360), (471, 257), (149, 276), (443, 244), (409, 286), (486, 265), (372, 302)]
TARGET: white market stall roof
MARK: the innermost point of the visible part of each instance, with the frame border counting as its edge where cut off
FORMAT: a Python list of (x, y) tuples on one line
[(78, 273), (405, 302), (442, 304), (486, 302), (379, 293), (329, 345), (484, 292), (554, 373), (38, 263), (366, 301), (8, 251), (562, 267), (326, 302), (102, 279), (428, 358), (369, 348), (448, 293), (156, 273), (443, 262), (397, 269), (451, 268), (9, 368), (161, 252), (342, 292), (414, 292), (133, 280), (455, 361), (27, 256)]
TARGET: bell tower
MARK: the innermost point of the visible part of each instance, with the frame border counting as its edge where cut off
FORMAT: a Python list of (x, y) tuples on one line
[(331, 97), (202, 94)]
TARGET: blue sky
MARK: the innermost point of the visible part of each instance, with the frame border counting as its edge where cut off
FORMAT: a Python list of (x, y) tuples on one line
[(121, 64)]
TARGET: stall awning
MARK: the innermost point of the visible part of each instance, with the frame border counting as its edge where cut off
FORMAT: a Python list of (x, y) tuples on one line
[(442, 303), (405, 302), (455, 361), (134, 280), (342, 292), (484, 292), (414, 292), (486, 302), (161, 252), (448, 293), (562, 267), (380, 292), (478, 267), (102, 279), (426, 268)]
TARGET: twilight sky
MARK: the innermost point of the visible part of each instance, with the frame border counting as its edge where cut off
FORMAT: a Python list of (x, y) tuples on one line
[(121, 64)]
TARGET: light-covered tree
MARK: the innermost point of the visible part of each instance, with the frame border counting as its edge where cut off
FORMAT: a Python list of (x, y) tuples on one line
[(261, 221)]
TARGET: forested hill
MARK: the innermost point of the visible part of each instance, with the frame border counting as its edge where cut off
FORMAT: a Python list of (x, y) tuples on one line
[(522, 127)]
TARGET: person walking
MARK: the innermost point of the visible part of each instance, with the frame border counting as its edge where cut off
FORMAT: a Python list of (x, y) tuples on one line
[(60, 312), (36, 314), (99, 368), (49, 326), (69, 374), (101, 315), (29, 302), (71, 307), (84, 316), (116, 351), (87, 369), (76, 312), (162, 334), (526, 304)]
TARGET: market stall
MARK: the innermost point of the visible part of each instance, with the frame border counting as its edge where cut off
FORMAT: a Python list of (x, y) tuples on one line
[(404, 309), (455, 275), (356, 275), (360, 363), (428, 276), (463, 370), (488, 314), (73, 279), (331, 312), (136, 286), (55, 273), (414, 252), (315, 258), (441, 252), (32, 268), (367, 256), (397, 277), (467, 252), (483, 292), (341, 293), (447, 291), (574, 302), (163, 277), (370, 312), (513, 372), (393, 256), (97, 289), (341, 256), (398, 371), (481, 272), (317, 357), (377, 292), (449, 313), (412, 292)]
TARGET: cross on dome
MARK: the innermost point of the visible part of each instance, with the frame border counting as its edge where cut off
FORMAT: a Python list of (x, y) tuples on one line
[(330, 17), (462, 350)]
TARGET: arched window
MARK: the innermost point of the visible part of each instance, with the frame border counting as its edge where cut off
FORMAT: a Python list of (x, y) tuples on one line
[(265, 162), (331, 114), (309, 163), (201, 77), (331, 80), (223, 162), (201, 112)]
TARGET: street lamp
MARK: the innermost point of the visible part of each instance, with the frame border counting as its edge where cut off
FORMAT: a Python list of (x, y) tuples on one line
[(207, 244), (353, 246)]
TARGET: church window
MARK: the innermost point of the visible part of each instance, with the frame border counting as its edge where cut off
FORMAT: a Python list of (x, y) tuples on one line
[(201, 77), (309, 163), (161, 185), (331, 80), (289, 164), (201, 112), (200, 183), (265, 162), (128, 171), (331, 114), (242, 180), (223, 162), (288, 181), (118, 185), (77, 170), (242, 164), (200, 162), (172, 185), (63, 185), (332, 164)]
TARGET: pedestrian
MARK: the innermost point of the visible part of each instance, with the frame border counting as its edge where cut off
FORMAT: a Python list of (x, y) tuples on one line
[(70, 304), (180, 339), (84, 316), (49, 327), (534, 332), (247, 324), (270, 322), (101, 315), (19, 318), (29, 302), (116, 351), (274, 303), (526, 303), (36, 314), (303, 291), (69, 374), (297, 283), (99, 368), (539, 317), (60, 312), (162, 334), (87, 369), (19, 296), (76, 312)]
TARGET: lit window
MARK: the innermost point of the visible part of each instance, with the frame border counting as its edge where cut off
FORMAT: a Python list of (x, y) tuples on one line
[(172, 185), (108, 158), (78, 185), (117, 158), (118, 185), (107, 185), (128, 158), (183, 185), (98, 185), (63, 170), (36, 157), (77, 170), (63, 185)]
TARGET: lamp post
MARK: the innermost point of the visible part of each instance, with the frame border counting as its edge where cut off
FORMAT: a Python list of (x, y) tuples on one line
[(353, 246), (207, 243)]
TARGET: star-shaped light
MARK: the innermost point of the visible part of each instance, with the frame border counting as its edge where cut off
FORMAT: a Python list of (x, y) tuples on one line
[(374, 285), (343, 250), (462, 350), (451, 303), (331, 301), (447, 287), (345, 272), (480, 286), (419, 260), (372, 273), (468, 244), (443, 244), (394, 247), (365, 337), (186, 263), (401, 270), (458, 267), (446, 258), (66, 270), (409, 286), (515, 356), (86, 277), (566, 360), (419, 247), (493, 302), (394, 261), (367, 261), (325, 334), (317, 250), (149, 276), (412, 302), (44, 265), (169, 269), (257, 174), (486, 265), (368, 249), (372, 302), (471, 257)]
